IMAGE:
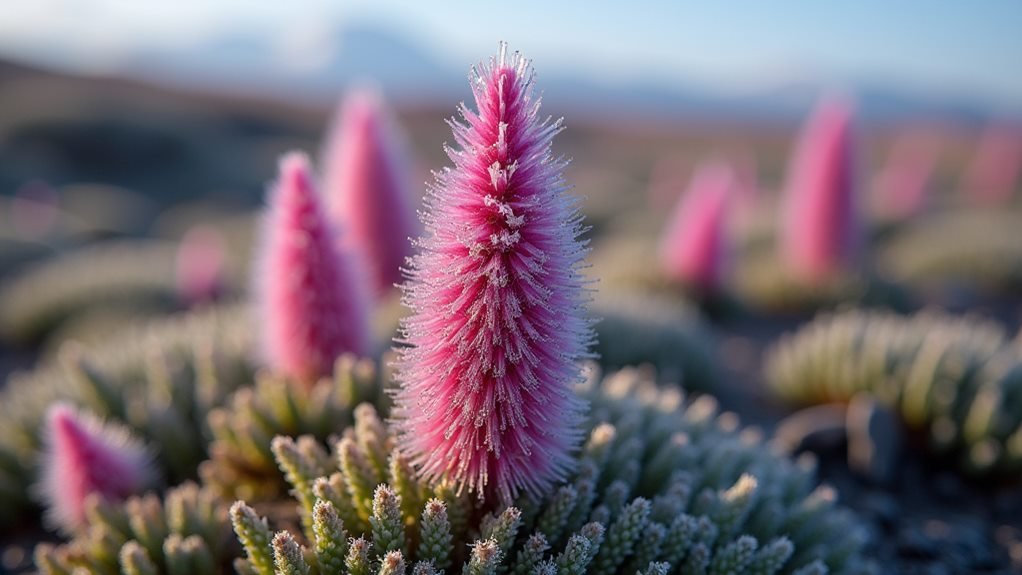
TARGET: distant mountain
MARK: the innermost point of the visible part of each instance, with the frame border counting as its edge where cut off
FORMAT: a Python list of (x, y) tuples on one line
[(411, 74)]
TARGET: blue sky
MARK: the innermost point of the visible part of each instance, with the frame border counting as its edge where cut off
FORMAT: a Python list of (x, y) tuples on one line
[(955, 48)]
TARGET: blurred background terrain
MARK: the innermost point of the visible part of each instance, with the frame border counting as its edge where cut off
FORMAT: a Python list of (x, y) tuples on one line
[(125, 126)]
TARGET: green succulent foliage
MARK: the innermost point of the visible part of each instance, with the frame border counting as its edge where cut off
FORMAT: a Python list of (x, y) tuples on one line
[(662, 486), (764, 283), (242, 463), (667, 334), (986, 251), (160, 380), (628, 262), (139, 273), (187, 532), (957, 378)]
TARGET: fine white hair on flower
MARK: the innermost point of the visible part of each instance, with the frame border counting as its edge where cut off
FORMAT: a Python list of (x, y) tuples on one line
[(498, 300)]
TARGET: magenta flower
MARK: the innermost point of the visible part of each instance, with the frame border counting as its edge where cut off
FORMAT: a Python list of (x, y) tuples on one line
[(84, 455), (694, 245), (820, 231), (497, 301), (366, 183), (312, 304), (200, 266), (994, 170), (902, 186)]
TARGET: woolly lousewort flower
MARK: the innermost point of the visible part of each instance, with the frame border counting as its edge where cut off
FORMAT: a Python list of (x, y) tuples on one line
[(902, 186), (996, 165), (312, 305), (497, 299), (366, 184), (200, 265), (820, 231), (83, 456), (693, 248)]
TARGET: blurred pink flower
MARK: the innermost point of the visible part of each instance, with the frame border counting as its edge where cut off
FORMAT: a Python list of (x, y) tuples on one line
[(35, 210), (201, 265), (311, 298), (366, 183), (497, 299), (820, 232), (902, 187), (993, 173), (694, 245), (666, 180), (84, 455)]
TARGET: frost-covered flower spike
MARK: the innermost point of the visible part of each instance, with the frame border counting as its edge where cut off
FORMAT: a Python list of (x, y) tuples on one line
[(694, 246), (311, 297), (902, 187), (497, 300), (820, 232), (366, 185), (84, 455)]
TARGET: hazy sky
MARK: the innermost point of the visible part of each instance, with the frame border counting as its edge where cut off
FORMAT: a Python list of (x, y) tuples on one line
[(970, 48)]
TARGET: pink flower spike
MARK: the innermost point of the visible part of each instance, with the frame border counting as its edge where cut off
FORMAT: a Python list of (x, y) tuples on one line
[(200, 266), (820, 229), (902, 186), (312, 304), (993, 173), (366, 183), (497, 297), (693, 248), (83, 455)]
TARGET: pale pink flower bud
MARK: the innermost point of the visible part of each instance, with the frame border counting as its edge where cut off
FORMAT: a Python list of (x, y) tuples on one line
[(993, 173), (820, 231), (200, 266), (693, 249), (366, 182), (312, 304), (83, 455)]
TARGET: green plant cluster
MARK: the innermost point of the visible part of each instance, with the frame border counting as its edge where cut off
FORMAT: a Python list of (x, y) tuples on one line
[(986, 251), (635, 329), (135, 273), (241, 463), (184, 533), (662, 486), (959, 379), (161, 380)]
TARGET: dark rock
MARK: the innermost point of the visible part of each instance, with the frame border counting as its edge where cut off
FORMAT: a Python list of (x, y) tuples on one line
[(874, 439), (948, 485), (882, 507), (914, 542), (820, 428), (1008, 504)]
